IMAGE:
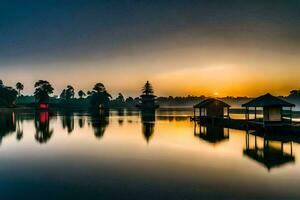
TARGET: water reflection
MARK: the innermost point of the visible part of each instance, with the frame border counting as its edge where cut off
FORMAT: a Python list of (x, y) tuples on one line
[(148, 123), (267, 150), (99, 122), (122, 157), (121, 113), (81, 121), (67, 120), (19, 126), (172, 118), (7, 124), (211, 133), (43, 132)]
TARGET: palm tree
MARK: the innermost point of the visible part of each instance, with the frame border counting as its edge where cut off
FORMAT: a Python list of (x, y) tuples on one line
[(19, 87), (147, 89), (81, 94), (42, 90)]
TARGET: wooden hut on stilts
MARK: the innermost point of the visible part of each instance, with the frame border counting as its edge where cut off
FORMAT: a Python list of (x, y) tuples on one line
[(211, 108), (273, 113)]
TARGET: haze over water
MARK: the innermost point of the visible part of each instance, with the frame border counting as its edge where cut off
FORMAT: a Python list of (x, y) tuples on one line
[(85, 156)]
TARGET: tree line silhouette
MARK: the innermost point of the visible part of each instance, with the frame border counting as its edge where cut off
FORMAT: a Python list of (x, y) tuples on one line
[(99, 97)]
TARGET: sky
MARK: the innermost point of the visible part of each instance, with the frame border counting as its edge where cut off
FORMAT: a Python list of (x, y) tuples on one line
[(183, 47)]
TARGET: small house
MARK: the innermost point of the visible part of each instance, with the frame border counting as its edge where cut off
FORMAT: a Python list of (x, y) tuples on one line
[(272, 110), (212, 108)]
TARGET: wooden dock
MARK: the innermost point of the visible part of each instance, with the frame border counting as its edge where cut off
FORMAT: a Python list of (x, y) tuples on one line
[(243, 124)]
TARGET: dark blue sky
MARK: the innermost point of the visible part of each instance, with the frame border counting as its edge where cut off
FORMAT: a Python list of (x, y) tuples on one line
[(39, 34), (64, 29)]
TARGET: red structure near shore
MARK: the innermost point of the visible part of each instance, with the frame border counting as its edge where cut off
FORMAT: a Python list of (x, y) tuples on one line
[(43, 105)]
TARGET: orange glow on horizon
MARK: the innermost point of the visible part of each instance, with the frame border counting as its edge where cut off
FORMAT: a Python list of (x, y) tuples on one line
[(194, 70)]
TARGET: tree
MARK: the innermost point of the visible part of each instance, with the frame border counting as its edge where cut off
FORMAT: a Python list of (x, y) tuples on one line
[(63, 94), (120, 98), (129, 100), (19, 87), (118, 102), (147, 89), (99, 87), (67, 94), (70, 93), (81, 94), (295, 92), (99, 96), (294, 95), (42, 90), (8, 95)]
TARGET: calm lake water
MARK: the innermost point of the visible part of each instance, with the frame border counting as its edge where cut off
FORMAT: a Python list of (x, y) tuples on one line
[(126, 155)]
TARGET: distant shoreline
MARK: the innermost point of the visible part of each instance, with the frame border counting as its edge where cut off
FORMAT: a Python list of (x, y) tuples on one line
[(234, 110)]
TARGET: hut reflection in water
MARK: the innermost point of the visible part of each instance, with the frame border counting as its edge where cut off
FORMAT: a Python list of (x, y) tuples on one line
[(211, 133), (268, 150)]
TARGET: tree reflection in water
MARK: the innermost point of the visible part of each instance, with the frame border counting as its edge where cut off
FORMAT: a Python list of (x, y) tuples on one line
[(42, 126), (121, 113), (99, 122), (81, 121), (269, 149), (67, 120), (7, 124), (19, 123)]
